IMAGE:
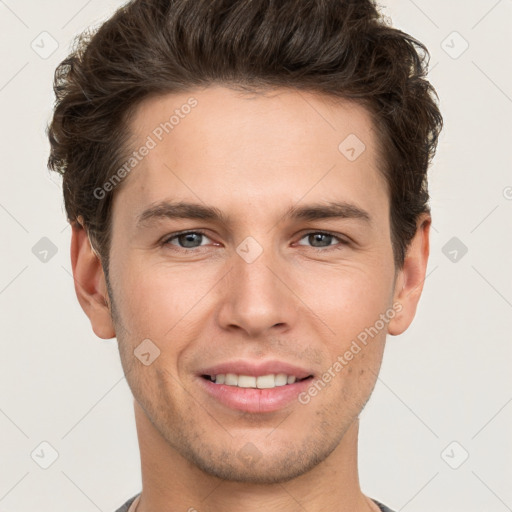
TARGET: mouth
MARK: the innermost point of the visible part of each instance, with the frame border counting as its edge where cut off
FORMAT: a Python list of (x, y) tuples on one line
[(241, 392), (254, 387)]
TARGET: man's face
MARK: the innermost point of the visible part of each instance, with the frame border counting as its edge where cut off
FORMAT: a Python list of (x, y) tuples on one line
[(259, 286)]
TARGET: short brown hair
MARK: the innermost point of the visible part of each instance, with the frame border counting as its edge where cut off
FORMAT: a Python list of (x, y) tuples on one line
[(340, 48)]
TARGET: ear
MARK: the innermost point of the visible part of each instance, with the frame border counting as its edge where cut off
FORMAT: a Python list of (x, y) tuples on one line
[(90, 284), (410, 279)]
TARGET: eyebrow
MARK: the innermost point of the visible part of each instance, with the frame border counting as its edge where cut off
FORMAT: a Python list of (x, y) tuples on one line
[(187, 210)]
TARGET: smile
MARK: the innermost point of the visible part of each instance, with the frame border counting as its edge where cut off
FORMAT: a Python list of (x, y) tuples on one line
[(249, 381)]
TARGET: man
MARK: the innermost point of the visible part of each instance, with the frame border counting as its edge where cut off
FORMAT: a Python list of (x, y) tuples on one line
[(247, 187)]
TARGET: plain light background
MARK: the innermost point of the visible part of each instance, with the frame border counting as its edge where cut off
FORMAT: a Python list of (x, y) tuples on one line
[(436, 432)]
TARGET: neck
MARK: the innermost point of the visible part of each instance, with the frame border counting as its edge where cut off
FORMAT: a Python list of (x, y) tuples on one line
[(171, 482)]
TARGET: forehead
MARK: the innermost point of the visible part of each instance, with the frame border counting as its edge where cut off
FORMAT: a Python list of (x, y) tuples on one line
[(227, 147)]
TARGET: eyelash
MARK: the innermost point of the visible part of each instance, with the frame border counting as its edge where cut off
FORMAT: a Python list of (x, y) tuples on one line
[(341, 245)]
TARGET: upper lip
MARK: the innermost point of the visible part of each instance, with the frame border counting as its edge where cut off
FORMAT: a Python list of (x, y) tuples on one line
[(256, 369)]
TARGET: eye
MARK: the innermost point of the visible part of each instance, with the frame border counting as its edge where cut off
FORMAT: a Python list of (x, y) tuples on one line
[(321, 240), (186, 240)]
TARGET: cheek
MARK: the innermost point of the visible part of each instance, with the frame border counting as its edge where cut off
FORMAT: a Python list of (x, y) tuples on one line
[(348, 300), (351, 305), (158, 302), (156, 299)]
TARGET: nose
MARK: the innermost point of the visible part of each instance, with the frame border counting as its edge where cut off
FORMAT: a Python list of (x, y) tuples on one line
[(257, 297)]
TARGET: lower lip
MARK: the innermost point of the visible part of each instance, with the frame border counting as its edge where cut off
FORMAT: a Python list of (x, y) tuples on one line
[(255, 400)]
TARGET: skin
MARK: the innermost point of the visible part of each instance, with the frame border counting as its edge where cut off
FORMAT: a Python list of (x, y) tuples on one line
[(252, 156)]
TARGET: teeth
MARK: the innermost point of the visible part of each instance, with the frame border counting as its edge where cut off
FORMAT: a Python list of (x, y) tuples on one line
[(281, 379), (266, 382), (231, 379), (248, 381)]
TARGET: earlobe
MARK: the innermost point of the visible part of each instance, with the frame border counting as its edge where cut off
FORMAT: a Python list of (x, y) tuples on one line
[(410, 279), (90, 284)]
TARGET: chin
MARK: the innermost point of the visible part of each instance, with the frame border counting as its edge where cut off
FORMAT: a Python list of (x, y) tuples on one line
[(249, 465)]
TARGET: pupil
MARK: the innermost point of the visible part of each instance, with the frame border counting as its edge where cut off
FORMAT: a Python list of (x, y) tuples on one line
[(318, 237), (188, 239)]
